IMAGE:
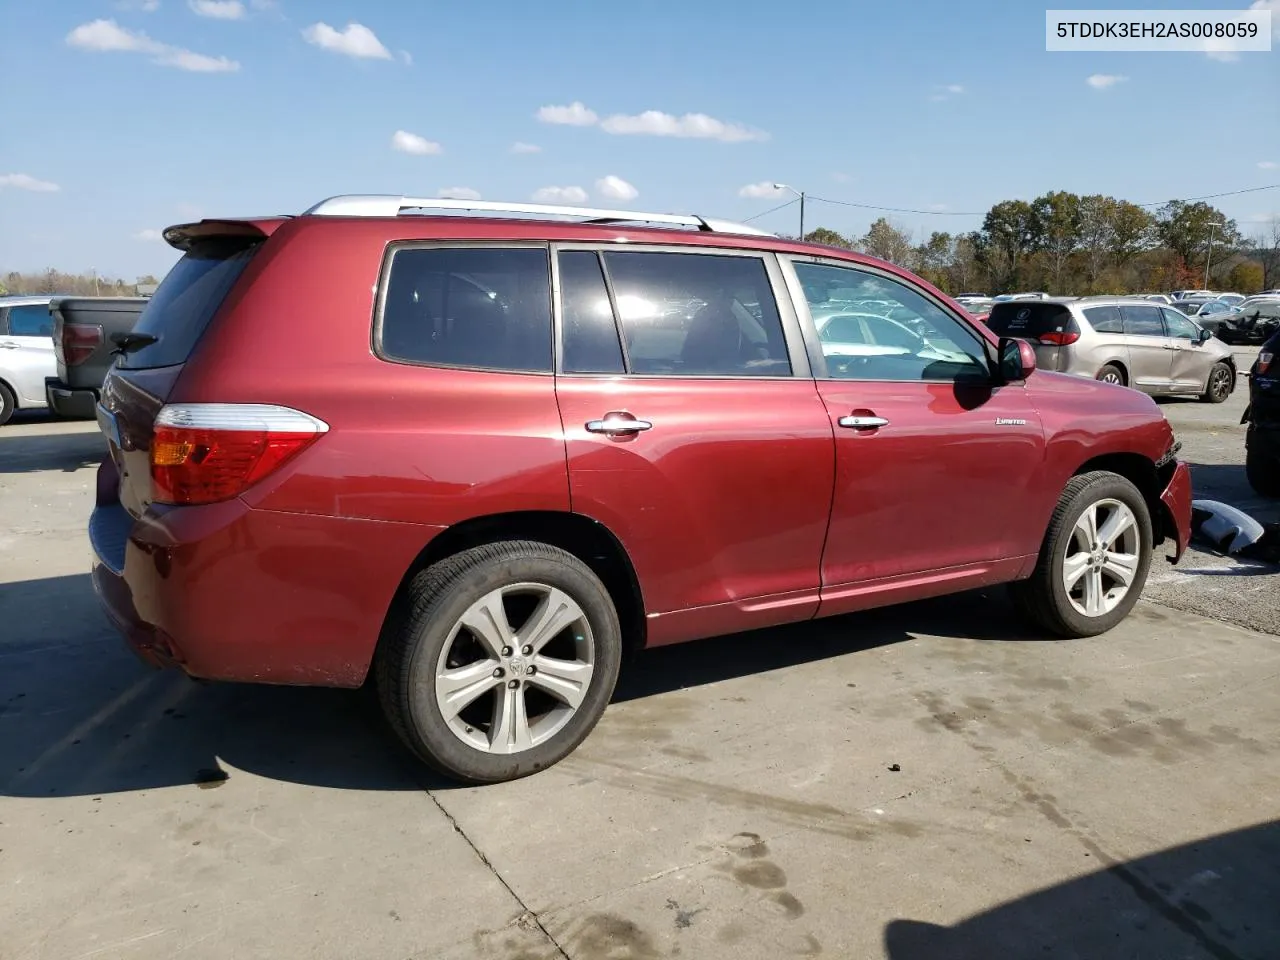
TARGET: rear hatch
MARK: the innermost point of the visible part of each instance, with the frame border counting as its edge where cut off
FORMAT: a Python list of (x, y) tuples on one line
[(1048, 326), (176, 317), (83, 328)]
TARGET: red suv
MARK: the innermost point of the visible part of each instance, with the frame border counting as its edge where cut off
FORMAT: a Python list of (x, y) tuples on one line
[(477, 459)]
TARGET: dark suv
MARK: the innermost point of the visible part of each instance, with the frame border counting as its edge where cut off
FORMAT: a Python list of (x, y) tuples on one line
[(476, 460)]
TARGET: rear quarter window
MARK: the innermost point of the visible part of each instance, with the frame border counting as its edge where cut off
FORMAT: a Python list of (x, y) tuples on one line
[(1104, 319), (1030, 321)]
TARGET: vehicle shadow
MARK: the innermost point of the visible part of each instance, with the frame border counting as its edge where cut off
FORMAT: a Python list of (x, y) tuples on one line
[(1211, 898), (1227, 482), (67, 452), (79, 715)]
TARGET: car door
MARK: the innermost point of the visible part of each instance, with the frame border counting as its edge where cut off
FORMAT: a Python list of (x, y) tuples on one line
[(1189, 371), (1150, 348), (933, 458), (697, 437), (26, 351)]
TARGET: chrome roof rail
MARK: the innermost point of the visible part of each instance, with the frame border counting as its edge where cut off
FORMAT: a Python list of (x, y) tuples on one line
[(386, 205)]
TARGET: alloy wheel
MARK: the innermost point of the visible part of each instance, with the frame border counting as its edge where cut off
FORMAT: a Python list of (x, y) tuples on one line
[(1102, 558), (1220, 383)]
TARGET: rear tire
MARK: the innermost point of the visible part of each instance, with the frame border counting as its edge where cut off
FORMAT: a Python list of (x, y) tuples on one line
[(1077, 588), (472, 685), (7, 404), (1222, 380), (1110, 373), (1262, 467)]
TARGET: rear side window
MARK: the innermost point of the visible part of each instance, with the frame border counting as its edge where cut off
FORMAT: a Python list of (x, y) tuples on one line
[(1141, 320), (687, 314), (1104, 319), (187, 299), (1030, 321), (32, 320), (590, 335), (482, 307)]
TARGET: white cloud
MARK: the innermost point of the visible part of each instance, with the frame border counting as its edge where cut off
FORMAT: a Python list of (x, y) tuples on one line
[(955, 88), (217, 9), (1101, 81), (406, 58), (560, 195), (356, 40), (149, 235), (699, 126), (1274, 7), (22, 181), (109, 37), (407, 142), (575, 114), (146, 6), (458, 193), (615, 188), (1268, 165), (521, 147), (758, 191), (946, 92)]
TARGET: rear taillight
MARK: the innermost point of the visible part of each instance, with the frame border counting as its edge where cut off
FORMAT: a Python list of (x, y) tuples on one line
[(206, 452), (78, 342), (1264, 361), (1059, 338)]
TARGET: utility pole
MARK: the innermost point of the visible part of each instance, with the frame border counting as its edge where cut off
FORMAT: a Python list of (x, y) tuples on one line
[(798, 193)]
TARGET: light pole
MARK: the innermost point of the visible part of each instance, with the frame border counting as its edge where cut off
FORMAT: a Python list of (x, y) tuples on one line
[(798, 193), (1208, 257)]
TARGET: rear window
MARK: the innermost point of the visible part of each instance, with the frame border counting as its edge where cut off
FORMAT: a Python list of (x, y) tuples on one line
[(186, 301), (1020, 318), (1104, 319)]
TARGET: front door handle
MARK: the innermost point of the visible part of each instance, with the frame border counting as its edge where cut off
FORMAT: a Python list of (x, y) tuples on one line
[(616, 423), (8, 345), (863, 422)]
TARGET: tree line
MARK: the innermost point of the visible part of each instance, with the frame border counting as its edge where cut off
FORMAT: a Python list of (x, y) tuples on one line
[(53, 282), (1070, 245)]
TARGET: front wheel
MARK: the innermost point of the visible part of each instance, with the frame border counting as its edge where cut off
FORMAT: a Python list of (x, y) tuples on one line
[(1222, 379), (7, 404), (499, 660), (1094, 560)]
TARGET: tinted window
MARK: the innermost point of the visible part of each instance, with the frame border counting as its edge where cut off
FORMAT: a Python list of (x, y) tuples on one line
[(1141, 320), (697, 315), (1217, 306), (590, 334), (1104, 319), (186, 301), (1029, 321), (484, 307), (1187, 308), (31, 321), (1180, 327), (921, 342)]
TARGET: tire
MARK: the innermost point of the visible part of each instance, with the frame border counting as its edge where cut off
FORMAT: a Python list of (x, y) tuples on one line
[(426, 639), (1045, 597), (1110, 373), (7, 404), (1221, 382), (1263, 470)]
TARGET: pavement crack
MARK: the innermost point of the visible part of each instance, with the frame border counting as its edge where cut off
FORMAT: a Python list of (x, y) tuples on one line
[(527, 916)]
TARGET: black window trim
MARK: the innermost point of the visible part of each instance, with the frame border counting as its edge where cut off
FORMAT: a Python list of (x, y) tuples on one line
[(818, 361), (384, 284), (797, 354)]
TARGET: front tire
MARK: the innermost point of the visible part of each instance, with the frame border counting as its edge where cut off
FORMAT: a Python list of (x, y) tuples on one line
[(8, 403), (1094, 560), (498, 661), (1222, 379)]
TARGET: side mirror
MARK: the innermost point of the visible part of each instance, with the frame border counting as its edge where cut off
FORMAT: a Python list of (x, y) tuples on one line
[(1017, 360), (1205, 336)]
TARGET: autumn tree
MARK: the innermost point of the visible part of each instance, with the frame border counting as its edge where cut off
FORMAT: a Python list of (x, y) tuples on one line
[(824, 236), (1057, 226), (1197, 233), (888, 242), (1009, 232)]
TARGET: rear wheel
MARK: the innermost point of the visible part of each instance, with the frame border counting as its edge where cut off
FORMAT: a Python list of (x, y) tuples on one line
[(7, 404), (1094, 560), (1221, 381), (499, 660), (1110, 373)]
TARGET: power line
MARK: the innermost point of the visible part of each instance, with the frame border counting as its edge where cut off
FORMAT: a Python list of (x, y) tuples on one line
[(1210, 196), (781, 206), (872, 206)]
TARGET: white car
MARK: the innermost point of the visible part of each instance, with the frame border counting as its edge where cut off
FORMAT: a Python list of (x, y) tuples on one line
[(26, 353)]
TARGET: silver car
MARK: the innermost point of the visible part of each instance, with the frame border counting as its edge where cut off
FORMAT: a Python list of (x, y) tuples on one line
[(26, 353), (1136, 343)]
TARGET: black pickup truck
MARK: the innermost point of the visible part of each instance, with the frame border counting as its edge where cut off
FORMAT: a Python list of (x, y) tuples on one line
[(86, 331)]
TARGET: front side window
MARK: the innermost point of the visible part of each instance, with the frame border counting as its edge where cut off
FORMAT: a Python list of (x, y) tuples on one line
[(31, 320), (871, 327), (693, 314), (1141, 320), (1180, 327), (484, 307)]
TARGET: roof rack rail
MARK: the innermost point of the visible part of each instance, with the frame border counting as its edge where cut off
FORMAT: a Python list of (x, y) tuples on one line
[(386, 205)]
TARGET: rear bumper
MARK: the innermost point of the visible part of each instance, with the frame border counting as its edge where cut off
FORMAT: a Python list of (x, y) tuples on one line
[(1177, 508), (226, 592), (70, 402)]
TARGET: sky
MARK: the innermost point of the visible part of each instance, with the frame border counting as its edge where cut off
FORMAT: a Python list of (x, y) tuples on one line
[(121, 117)]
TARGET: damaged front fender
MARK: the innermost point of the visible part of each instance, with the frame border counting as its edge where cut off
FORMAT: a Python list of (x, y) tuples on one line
[(1176, 500)]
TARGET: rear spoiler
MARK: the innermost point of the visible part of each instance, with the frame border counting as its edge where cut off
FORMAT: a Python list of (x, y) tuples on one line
[(183, 235)]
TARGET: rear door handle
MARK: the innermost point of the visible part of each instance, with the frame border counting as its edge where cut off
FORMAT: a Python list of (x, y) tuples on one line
[(863, 423), (8, 345), (615, 423)]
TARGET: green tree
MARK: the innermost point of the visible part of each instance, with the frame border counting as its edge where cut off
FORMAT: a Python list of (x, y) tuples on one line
[(1058, 225), (888, 242), (1188, 229), (822, 235), (1133, 230), (1097, 224), (934, 256), (1009, 232), (1245, 277)]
